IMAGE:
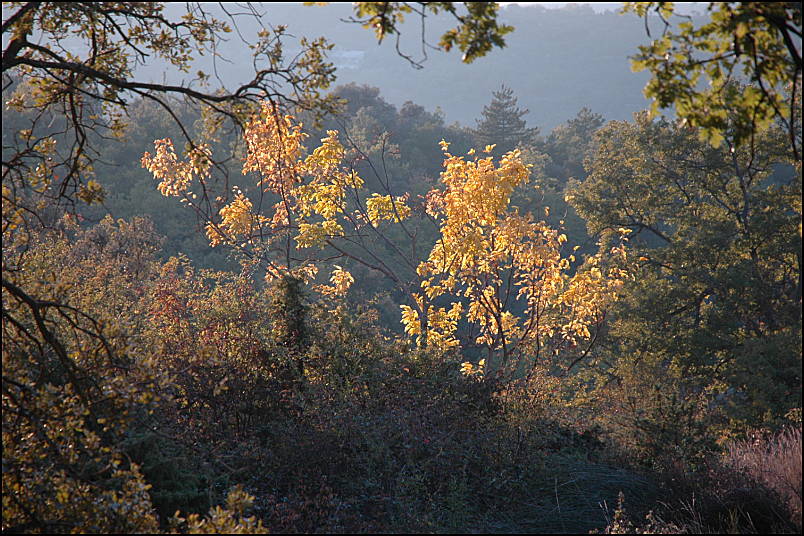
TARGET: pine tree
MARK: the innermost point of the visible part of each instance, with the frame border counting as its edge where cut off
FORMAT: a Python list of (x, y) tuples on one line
[(502, 123)]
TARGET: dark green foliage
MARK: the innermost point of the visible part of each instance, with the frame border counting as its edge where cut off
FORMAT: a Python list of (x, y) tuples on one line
[(177, 484), (502, 124), (569, 144), (289, 313), (706, 342)]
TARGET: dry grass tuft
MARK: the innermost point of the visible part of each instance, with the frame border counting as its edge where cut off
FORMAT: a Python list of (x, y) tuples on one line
[(775, 463)]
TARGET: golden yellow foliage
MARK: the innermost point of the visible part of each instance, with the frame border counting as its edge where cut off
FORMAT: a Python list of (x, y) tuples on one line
[(468, 369), (500, 261), (312, 188), (503, 272), (384, 207), (229, 520), (176, 176), (340, 281), (238, 222), (275, 149)]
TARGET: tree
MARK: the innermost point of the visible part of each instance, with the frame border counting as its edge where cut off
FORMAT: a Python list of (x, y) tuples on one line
[(70, 386), (84, 89), (87, 85), (519, 295), (750, 53), (507, 267), (502, 123), (73, 380), (570, 143), (711, 325)]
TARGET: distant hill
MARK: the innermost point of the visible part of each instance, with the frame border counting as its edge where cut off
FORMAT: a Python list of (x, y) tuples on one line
[(556, 61)]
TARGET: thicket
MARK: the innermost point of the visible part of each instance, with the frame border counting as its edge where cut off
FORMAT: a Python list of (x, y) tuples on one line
[(329, 423)]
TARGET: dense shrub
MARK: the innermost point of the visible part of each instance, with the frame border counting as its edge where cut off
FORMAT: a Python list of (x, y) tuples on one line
[(324, 422)]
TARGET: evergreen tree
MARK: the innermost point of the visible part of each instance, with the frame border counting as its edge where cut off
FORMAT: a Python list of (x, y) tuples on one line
[(502, 123), (570, 143)]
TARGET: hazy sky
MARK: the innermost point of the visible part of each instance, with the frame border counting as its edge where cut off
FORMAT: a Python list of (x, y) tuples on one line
[(599, 7)]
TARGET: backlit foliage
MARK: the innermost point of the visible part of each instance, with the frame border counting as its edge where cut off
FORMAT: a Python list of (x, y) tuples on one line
[(756, 43), (69, 68), (492, 267), (229, 520), (76, 388), (340, 281), (477, 32), (503, 271), (310, 193), (176, 176)]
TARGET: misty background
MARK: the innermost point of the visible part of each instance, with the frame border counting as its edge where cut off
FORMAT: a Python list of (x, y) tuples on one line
[(560, 58)]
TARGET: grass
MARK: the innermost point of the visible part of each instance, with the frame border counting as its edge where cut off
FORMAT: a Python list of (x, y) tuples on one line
[(774, 463), (572, 497)]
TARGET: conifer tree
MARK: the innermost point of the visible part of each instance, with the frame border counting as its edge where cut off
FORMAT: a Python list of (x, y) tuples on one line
[(502, 123)]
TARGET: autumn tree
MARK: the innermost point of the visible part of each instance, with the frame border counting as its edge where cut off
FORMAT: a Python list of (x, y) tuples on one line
[(86, 89), (88, 86), (506, 267), (510, 270), (68, 72), (75, 374)]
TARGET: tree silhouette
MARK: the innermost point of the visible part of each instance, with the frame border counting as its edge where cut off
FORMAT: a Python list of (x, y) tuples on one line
[(502, 123)]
